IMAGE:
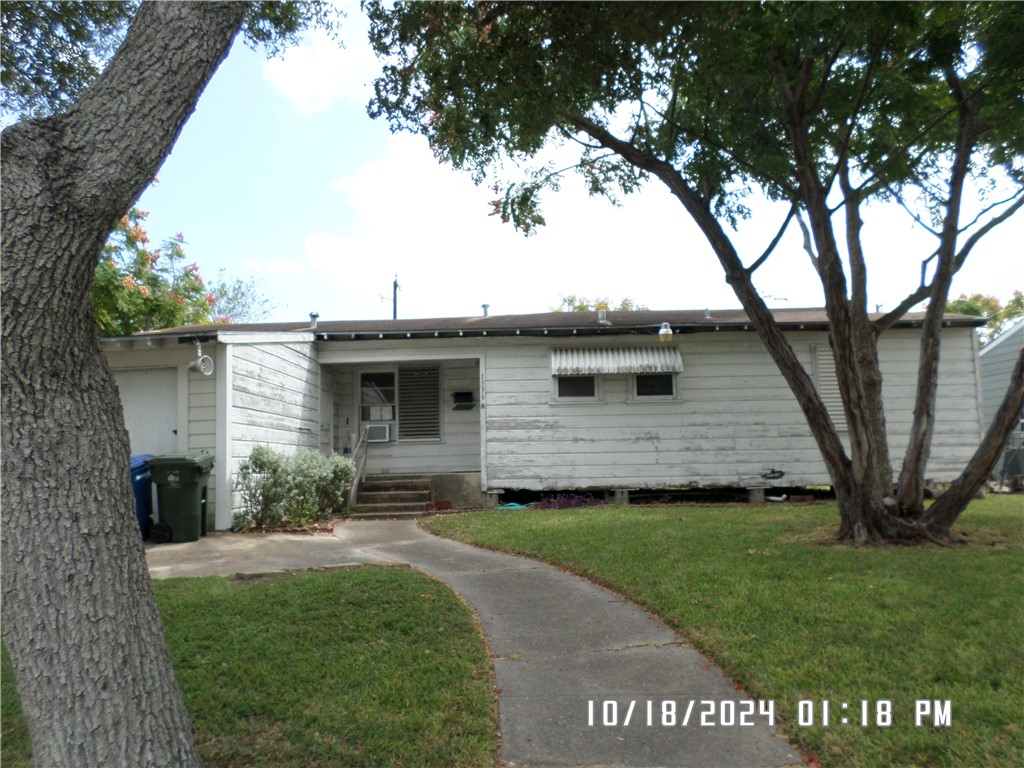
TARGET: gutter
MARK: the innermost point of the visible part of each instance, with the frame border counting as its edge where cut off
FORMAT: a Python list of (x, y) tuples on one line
[(647, 329)]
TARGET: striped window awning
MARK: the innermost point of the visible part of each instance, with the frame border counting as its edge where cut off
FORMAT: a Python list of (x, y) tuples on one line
[(585, 362)]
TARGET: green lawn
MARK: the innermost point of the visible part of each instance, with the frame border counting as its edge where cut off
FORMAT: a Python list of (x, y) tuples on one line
[(791, 616), (356, 667)]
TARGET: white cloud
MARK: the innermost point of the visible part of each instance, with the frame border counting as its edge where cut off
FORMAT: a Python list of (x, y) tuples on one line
[(273, 267), (318, 73), (430, 226), (405, 215)]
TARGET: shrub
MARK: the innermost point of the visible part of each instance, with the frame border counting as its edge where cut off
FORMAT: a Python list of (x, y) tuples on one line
[(261, 482), (295, 489)]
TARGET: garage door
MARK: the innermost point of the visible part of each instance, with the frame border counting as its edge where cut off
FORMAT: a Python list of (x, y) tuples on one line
[(150, 401)]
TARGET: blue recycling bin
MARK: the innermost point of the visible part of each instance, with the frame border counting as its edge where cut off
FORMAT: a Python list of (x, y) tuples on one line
[(142, 485)]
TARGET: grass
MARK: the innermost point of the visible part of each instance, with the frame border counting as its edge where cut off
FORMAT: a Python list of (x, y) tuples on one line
[(366, 666), (791, 616)]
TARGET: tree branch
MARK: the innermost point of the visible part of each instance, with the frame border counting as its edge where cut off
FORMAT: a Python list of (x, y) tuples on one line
[(873, 182), (917, 219), (991, 224), (775, 341), (829, 63), (992, 207), (808, 245), (775, 241), (109, 164), (710, 141), (890, 318), (854, 224), (923, 425), (842, 161)]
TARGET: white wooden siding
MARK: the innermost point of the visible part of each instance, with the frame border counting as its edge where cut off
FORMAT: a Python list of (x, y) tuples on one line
[(732, 420), (275, 397), (458, 450), (459, 447), (958, 430), (997, 361), (734, 417)]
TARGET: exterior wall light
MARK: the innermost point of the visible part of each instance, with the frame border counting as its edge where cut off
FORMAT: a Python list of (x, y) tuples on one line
[(665, 333), (203, 363)]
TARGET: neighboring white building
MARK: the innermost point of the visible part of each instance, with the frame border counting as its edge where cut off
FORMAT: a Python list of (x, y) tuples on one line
[(996, 361), (556, 401)]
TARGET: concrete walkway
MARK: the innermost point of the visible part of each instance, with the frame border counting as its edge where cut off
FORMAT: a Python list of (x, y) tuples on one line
[(568, 656)]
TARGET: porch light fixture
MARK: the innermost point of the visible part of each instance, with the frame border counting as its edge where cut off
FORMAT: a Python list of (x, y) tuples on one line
[(665, 333), (203, 363)]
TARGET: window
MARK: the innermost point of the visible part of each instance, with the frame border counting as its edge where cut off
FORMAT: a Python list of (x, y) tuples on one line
[(654, 385), (576, 387), (377, 396), (409, 398)]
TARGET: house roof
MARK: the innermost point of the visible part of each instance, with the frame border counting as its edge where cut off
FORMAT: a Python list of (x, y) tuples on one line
[(643, 322)]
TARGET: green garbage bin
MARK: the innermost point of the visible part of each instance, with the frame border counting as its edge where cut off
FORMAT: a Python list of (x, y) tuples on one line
[(182, 482)]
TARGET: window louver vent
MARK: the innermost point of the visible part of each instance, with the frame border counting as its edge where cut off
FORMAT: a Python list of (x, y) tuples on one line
[(419, 404), (828, 385)]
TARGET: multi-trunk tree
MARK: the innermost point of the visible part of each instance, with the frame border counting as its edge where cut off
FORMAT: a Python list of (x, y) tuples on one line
[(85, 637), (821, 107)]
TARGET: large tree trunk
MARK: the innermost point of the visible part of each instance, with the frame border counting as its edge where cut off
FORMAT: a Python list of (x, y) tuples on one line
[(85, 637)]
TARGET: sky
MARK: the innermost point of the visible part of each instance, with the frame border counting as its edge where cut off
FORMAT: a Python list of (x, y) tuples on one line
[(282, 178)]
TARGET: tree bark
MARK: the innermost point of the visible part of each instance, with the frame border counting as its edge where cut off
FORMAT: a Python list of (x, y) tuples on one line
[(865, 335), (911, 485), (860, 491), (80, 621), (822, 428)]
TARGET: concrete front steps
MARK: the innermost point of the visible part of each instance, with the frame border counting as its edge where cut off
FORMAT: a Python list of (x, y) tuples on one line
[(392, 497)]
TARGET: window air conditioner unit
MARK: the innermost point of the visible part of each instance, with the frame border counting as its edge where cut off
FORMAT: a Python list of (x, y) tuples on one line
[(378, 433)]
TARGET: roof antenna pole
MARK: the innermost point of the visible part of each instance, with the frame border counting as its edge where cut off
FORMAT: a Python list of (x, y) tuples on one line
[(394, 299)]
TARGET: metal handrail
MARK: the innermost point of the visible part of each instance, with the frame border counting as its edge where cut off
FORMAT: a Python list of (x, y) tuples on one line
[(359, 459)]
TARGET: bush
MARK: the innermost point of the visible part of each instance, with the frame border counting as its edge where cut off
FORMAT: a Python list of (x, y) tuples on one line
[(296, 489)]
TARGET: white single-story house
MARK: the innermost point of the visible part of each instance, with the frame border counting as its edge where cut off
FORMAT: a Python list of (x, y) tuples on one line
[(556, 401)]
